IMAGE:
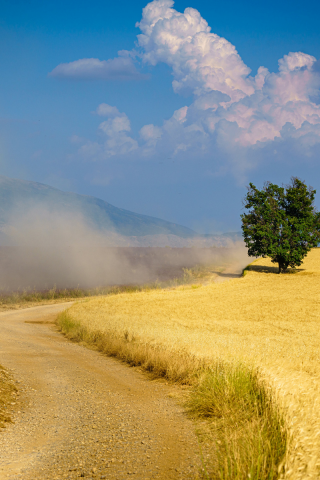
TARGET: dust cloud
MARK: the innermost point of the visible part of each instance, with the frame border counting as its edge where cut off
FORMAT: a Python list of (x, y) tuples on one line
[(43, 248)]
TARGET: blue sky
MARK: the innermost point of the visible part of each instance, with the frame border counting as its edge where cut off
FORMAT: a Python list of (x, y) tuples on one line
[(176, 124)]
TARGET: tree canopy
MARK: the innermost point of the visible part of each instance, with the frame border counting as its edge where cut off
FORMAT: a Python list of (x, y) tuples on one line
[(281, 223)]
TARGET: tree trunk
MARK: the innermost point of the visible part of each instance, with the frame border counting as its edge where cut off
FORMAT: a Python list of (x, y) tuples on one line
[(280, 267)]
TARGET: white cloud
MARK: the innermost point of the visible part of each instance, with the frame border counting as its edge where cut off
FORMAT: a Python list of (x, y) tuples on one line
[(201, 61), (228, 99), (233, 113), (116, 141), (106, 110), (116, 125), (295, 60), (119, 68), (150, 133)]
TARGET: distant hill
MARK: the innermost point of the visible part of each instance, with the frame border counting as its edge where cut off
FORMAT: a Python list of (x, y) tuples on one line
[(21, 195), (173, 241)]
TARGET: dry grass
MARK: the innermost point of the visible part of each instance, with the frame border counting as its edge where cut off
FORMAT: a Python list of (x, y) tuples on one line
[(7, 395), (245, 434), (264, 320), (254, 322)]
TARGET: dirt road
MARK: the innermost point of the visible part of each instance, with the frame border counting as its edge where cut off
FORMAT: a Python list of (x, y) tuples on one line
[(81, 414)]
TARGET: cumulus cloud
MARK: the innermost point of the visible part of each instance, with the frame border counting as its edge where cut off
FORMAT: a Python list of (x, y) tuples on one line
[(149, 133), (119, 68), (201, 61), (230, 107), (295, 60), (105, 110), (233, 112), (116, 140)]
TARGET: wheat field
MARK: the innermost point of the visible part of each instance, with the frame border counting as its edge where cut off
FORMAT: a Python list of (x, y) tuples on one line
[(263, 319)]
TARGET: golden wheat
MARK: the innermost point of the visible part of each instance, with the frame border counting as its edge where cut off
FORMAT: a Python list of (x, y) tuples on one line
[(263, 319)]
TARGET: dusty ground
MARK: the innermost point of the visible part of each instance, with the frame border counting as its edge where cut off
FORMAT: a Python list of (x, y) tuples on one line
[(81, 414)]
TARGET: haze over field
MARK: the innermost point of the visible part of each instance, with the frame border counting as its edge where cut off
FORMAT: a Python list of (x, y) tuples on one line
[(52, 238), (45, 248), (161, 108)]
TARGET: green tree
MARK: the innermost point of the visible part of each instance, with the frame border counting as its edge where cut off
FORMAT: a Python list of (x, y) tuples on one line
[(281, 223)]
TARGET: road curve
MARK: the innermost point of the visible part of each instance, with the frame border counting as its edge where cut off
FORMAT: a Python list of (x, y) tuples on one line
[(81, 414)]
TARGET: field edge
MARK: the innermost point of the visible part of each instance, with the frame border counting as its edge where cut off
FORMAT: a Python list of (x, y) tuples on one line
[(255, 449)]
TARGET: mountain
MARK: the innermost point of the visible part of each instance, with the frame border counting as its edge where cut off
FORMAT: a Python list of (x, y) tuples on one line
[(173, 241), (20, 196)]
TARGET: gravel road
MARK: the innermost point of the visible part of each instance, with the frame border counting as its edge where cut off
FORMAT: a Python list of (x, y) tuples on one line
[(83, 415)]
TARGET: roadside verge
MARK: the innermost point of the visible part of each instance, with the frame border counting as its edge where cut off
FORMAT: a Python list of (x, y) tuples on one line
[(8, 392), (238, 420)]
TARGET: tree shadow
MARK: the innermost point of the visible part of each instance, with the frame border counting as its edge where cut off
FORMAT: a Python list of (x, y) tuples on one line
[(228, 275), (275, 269)]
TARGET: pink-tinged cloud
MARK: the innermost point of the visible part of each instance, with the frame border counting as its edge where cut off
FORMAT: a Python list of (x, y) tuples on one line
[(209, 66), (201, 61), (232, 110)]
